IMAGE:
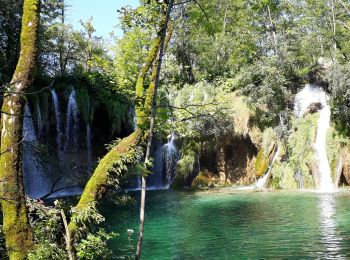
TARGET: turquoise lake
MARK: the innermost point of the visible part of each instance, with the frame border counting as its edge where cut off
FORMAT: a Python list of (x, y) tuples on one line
[(236, 225)]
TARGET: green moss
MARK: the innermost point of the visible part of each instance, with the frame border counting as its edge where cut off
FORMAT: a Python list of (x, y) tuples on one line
[(16, 226), (83, 99), (29, 37), (179, 182), (17, 230), (261, 163), (143, 110), (301, 156), (99, 181), (189, 155), (335, 144)]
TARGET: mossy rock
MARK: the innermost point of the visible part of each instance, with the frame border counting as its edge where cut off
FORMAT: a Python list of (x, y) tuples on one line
[(179, 182), (202, 180), (261, 163)]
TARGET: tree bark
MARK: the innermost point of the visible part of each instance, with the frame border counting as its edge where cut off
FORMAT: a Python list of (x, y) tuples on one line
[(154, 89), (17, 230)]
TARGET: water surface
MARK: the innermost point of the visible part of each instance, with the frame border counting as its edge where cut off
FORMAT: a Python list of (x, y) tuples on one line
[(237, 225)]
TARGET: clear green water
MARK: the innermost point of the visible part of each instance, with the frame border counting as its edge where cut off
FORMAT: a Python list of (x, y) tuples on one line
[(238, 225)]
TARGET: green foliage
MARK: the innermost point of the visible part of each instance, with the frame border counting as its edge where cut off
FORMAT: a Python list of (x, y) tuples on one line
[(130, 52), (189, 156), (339, 76), (335, 145), (146, 16), (87, 218), (10, 29), (45, 250), (209, 109), (94, 246), (296, 171), (90, 239), (48, 229)]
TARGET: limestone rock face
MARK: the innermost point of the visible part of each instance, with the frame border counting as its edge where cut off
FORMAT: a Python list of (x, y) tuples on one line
[(263, 159), (346, 166), (235, 160)]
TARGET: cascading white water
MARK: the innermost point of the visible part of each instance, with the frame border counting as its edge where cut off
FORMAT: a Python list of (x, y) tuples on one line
[(133, 117), (326, 183), (88, 143), (40, 122), (35, 180), (165, 158), (59, 137), (261, 183), (312, 94), (170, 156), (88, 137), (72, 117)]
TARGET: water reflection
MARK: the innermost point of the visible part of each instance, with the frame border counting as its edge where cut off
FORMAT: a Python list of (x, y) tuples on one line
[(330, 238)]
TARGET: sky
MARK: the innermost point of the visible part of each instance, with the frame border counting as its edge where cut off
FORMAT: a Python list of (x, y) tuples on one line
[(104, 13)]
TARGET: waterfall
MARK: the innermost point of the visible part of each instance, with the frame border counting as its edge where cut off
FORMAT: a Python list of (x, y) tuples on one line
[(262, 182), (40, 122), (315, 95), (134, 127), (72, 117), (88, 144), (88, 137), (170, 156), (133, 116), (165, 158), (59, 136), (155, 180), (326, 183), (35, 180)]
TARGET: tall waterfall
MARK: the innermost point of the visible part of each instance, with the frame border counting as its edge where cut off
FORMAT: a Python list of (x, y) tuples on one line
[(88, 144), (170, 156), (165, 158), (133, 117), (40, 122), (326, 183), (88, 137), (72, 123), (59, 137), (33, 173), (312, 94)]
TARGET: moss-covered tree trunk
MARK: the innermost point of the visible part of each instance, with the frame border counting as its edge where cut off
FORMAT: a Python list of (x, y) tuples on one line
[(17, 230), (144, 100), (97, 184)]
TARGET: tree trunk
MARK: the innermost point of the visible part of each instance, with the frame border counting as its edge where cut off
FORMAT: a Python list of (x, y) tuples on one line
[(221, 164), (155, 84), (17, 230), (273, 31)]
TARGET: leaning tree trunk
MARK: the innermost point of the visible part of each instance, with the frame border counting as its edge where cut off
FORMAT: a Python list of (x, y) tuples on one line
[(113, 160), (152, 104), (17, 230), (98, 183)]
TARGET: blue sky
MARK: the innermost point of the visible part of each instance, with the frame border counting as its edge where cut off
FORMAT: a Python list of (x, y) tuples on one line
[(104, 13)]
